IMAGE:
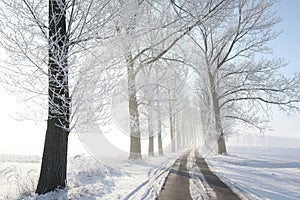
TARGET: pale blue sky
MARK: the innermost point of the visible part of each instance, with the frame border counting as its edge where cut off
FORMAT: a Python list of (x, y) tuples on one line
[(287, 45)]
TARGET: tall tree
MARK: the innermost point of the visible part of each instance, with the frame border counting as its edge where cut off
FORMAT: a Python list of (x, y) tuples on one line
[(54, 162), (44, 52), (165, 24), (237, 76)]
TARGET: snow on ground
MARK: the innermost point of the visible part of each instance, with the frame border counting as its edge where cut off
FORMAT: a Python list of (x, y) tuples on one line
[(198, 185), (144, 177), (260, 172), (18, 175), (87, 178)]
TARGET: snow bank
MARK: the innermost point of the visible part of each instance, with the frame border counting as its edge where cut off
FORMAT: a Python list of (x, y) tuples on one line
[(260, 173), (87, 178)]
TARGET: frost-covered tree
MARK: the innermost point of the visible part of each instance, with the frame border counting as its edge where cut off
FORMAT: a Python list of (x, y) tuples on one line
[(148, 31), (54, 161), (45, 41), (237, 77)]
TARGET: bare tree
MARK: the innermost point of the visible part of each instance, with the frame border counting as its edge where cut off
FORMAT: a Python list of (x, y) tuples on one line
[(231, 47), (56, 142), (176, 82), (150, 30), (50, 48)]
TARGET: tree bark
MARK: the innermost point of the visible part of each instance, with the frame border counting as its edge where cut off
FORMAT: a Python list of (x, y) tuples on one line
[(221, 145), (157, 94), (171, 123), (178, 131), (159, 138), (172, 133), (54, 161), (135, 141), (217, 113), (151, 137), (151, 146)]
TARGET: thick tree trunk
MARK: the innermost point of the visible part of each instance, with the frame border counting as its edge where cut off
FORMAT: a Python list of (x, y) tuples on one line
[(221, 145), (135, 141), (54, 161), (217, 113)]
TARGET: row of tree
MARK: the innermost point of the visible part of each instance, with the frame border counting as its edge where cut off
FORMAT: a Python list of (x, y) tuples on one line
[(201, 68)]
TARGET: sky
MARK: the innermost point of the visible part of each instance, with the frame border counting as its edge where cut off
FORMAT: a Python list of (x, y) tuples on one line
[(27, 137), (287, 45)]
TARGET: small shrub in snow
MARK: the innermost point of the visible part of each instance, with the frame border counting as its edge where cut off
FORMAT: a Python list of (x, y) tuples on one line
[(22, 186)]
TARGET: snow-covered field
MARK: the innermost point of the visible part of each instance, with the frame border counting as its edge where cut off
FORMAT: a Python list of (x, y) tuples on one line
[(260, 172), (87, 178)]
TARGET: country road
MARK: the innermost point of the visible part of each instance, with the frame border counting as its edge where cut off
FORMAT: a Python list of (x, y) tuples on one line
[(176, 186)]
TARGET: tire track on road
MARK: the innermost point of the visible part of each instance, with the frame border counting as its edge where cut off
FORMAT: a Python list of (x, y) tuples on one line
[(223, 192), (176, 186)]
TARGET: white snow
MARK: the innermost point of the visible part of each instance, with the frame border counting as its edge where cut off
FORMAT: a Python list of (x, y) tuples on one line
[(260, 172), (198, 185), (87, 178), (253, 172)]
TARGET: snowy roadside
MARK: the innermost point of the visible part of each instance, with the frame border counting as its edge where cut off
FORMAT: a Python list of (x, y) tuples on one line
[(143, 179), (256, 173), (260, 173), (87, 178)]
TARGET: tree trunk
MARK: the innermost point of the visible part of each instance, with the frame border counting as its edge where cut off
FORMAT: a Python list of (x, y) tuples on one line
[(172, 133), (135, 141), (151, 138), (157, 94), (183, 134), (217, 113), (221, 145), (54, 161), (178, 132), (151, 146), (159, 138)]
